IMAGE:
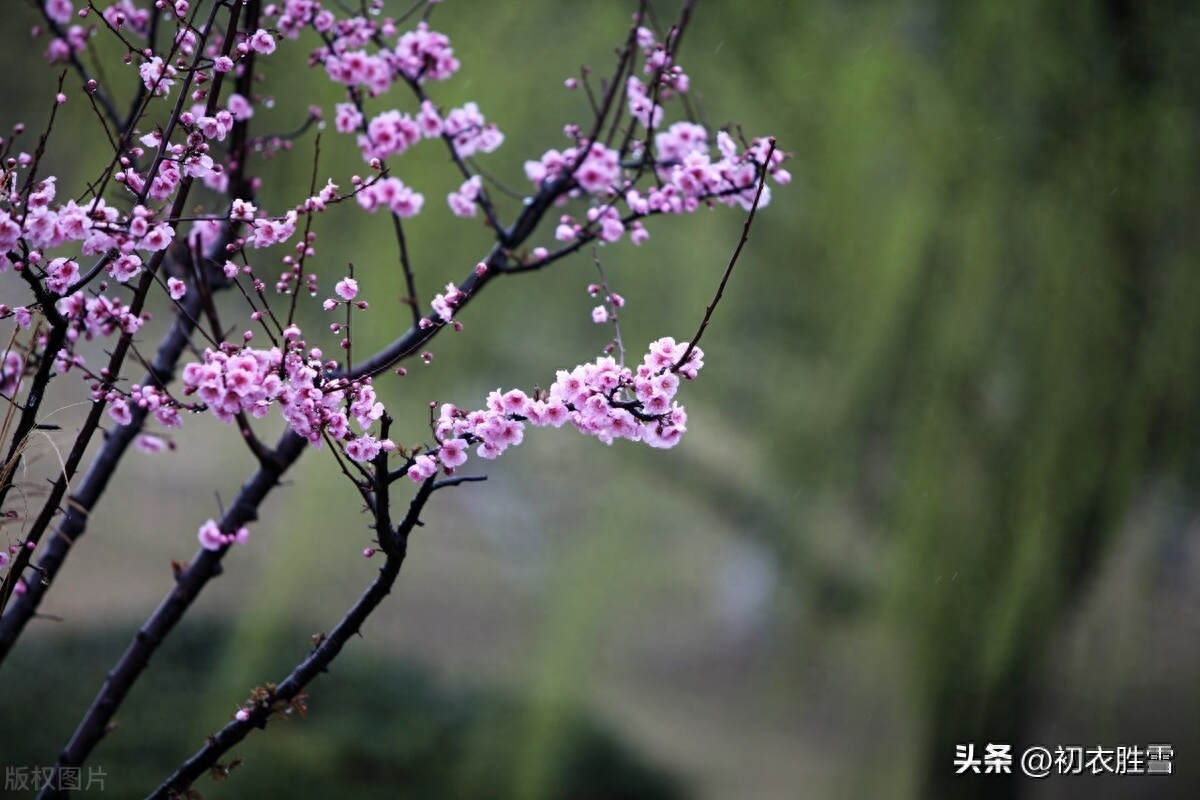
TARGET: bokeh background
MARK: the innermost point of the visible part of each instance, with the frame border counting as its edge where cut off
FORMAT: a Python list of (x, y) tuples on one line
[(939, 485)]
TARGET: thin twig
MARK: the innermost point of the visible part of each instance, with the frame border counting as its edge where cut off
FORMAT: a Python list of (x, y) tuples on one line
[(708, 312)]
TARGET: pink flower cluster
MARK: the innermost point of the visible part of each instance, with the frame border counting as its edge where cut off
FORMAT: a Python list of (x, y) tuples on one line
[(425, 55), (157, 76), (236, 380), (87, 317), (660, 64), (211, 537), (158, 402), (268, 231), (296, 15), (687, 175), (641, 106), (97, 316), (470, 132), (62, 48), (598, 174), (391, 193), (96, 224), (601, 399), (388, 134), (419, 56), (462, 202), (688, 180), (126, 16), (445, 303)]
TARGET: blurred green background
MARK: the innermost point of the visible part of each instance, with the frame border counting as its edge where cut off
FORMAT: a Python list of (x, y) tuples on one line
[(939, 482)]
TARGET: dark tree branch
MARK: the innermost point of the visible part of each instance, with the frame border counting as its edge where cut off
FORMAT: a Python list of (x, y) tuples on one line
[(395, 547), (205, 565)]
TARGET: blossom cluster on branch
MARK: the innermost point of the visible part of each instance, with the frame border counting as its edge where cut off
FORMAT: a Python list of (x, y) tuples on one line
[(178, 217)]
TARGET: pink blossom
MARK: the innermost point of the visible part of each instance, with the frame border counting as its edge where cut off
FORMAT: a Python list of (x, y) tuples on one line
[(429, 120), (60, 11), (242, 210), (364, 448), (346, 288), (157, 76), (262, 42), (462, 202), (445, 303), (10, 232), (425, 55), (388, 134), (641, 106), (347, 118), (423, 467), (566, 231), (470, 132), (44, 193), (119, 410), (239, 107), (60, 274), (515, 402), (210, 536), (273, 231), (176, 288), (393, 194), (157, 238), (599, 170), (453, 453), (150, 444)]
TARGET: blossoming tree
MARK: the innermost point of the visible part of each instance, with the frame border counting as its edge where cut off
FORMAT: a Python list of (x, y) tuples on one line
[(91, 261)]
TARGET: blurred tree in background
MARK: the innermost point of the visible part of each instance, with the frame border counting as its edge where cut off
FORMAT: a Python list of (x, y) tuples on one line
[(942, 489), (990, 298)]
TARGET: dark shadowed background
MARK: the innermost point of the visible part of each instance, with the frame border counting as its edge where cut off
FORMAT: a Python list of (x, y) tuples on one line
[(939, 485)]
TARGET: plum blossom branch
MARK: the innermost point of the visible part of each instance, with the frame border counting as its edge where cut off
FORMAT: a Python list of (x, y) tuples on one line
[(322, 399), (75, 519)]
